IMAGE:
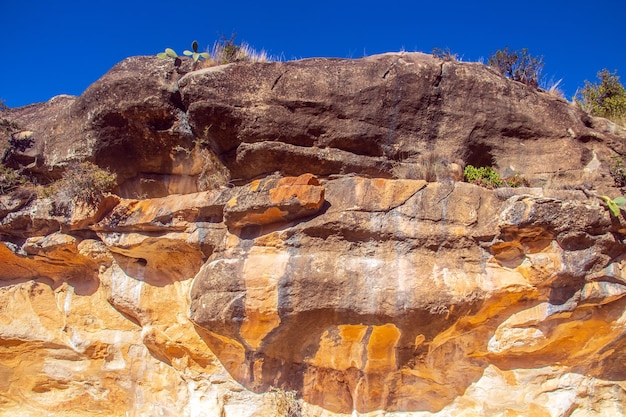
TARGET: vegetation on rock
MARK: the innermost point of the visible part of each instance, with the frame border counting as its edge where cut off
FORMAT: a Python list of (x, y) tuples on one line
[(10, 179), (516, 180), (518, 65), (444, 54), (614, 205), (484, 176), (607, 98), (488, 177), (195, 54), (617, 168), (84, 182), (168, 53), (8, 126), (226, 51)]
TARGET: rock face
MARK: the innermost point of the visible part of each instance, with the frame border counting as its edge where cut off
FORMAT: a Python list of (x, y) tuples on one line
[(302, 225)]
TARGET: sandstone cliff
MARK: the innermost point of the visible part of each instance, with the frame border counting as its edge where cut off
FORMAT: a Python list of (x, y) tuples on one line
[(303, 225)]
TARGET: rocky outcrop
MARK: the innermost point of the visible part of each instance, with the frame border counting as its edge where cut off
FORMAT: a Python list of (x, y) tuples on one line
[(165, 131), (401, 295), (302, 225)]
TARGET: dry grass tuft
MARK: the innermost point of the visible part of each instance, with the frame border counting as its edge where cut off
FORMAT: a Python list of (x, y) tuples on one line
[(226, 51), (286, 402), (429, 166), (552, 88)]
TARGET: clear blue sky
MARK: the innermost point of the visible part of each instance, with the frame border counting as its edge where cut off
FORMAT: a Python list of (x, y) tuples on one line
[(61, 47)]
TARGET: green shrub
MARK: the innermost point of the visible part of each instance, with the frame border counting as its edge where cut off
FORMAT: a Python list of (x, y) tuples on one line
[(487, 177), (84, 182), (484, 176), (518, 65), (605, 99)]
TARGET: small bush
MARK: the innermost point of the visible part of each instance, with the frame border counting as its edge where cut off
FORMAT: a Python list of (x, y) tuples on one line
[(553, 87), (444, 54), (617, 168), (487, 177), (214, 173), (605, 99), (484, 176), (429, 166), (7, 126), (84, 182), (518, 65), (10, 179), (226, 51), (516, 181)]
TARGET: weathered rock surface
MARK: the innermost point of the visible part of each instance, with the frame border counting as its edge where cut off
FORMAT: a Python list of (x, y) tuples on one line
[(374, 116), (403, 304), (302, 225), (274, 201)]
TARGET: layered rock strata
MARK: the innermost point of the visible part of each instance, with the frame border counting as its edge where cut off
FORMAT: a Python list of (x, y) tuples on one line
[(302, 225)]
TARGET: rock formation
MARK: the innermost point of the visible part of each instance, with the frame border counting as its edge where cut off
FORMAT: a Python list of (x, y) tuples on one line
[(303, 226)]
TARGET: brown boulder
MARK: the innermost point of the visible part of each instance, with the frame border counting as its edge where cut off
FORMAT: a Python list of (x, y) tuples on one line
[(388, 109), (129, 121)]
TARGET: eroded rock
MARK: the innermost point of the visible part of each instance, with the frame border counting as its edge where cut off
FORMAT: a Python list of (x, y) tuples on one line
[(302, 225), (274, 201), (378, 293)]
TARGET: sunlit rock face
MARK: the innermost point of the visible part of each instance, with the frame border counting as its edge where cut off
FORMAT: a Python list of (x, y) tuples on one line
[(304, 226), (401, 296)]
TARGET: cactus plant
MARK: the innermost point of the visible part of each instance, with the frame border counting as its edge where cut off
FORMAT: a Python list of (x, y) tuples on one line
[(168, 53), (195, 54), (614, 205)]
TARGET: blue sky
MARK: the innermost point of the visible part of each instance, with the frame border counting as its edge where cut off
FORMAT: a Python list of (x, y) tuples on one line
[(50, 48)]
